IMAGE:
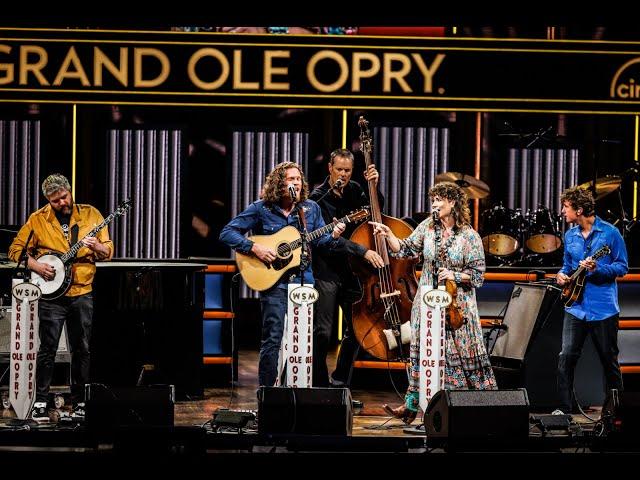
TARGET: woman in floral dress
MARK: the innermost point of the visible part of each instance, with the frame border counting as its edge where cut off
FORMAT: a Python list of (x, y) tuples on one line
[(461, 258)]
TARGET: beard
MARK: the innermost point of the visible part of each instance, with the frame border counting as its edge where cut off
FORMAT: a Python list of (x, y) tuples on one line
[(65, 210)]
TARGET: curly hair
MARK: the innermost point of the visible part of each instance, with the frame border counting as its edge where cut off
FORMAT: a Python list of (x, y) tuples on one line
[(579, 197), (452, 192), (274, 184)]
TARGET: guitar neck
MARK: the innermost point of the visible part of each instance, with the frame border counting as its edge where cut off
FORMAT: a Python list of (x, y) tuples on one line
[(319, 232)]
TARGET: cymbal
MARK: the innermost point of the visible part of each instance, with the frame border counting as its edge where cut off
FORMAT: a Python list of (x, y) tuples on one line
[(604, 185), (473, 187)]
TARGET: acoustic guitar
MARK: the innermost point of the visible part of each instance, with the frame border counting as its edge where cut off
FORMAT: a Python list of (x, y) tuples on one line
[(287, 244), (572, 290)]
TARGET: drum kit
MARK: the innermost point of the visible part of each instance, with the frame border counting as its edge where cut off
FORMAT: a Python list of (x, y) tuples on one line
[(511, 237)]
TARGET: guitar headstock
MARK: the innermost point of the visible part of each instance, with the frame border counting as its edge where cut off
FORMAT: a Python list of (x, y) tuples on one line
[(123, 208), (605, 250), (359, 215)]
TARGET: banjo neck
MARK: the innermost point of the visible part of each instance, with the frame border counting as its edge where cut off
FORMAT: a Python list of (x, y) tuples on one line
[(73, 251)]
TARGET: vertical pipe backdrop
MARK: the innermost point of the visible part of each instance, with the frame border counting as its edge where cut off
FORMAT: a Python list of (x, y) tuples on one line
[(146, 166), (408, 159), (19, 170), (537, 177)]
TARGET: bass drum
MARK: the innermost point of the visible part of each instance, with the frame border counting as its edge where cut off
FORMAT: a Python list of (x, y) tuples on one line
[(501, 231), (543, 231)]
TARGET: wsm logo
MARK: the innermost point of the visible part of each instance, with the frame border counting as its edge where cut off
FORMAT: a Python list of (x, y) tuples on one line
[(26, 291), (303, 295)]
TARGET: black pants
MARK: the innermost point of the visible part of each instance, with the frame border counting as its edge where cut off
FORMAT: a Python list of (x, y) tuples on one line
[(78, 313), (604, 334), (331, 295)]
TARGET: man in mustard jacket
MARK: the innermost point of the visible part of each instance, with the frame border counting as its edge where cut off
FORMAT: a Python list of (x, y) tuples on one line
[(56, 227)]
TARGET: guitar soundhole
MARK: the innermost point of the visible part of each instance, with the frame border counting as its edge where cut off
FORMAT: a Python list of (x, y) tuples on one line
[(281, 263), (284, 251)]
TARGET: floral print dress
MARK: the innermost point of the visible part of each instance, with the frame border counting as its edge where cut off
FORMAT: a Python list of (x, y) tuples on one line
[(467, 361)]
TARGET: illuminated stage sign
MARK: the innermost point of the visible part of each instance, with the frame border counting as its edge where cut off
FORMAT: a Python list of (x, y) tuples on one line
[(215, 69)]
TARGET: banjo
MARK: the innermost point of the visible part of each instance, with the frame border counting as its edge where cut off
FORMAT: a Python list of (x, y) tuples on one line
[(61, 262)]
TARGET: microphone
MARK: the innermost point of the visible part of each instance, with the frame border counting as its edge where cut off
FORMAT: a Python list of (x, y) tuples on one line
[(338, 184), (292, 192), (435, 214)]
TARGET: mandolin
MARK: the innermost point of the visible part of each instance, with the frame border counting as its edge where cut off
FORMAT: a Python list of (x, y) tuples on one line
[(572, 291)]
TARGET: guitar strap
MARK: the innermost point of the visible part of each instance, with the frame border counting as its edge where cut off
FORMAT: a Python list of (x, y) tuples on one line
[(303, 220)]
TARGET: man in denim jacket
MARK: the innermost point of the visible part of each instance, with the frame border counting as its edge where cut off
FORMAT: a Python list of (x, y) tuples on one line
[(276, 210)]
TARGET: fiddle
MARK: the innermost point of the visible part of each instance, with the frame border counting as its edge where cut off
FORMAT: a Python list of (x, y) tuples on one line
[(453, 316)]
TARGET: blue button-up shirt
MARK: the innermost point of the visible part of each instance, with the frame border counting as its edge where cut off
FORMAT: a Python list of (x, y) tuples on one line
[(264, 218), (599, 299)]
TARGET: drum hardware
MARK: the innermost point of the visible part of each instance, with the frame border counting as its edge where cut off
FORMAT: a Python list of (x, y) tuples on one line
[(603, 186), (473, 187), (528, 139)]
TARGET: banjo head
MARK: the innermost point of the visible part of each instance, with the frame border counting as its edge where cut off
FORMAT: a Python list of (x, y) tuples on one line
[(51, 286)]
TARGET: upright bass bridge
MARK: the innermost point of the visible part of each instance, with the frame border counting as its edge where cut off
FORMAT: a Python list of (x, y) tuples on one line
[(395, 293)]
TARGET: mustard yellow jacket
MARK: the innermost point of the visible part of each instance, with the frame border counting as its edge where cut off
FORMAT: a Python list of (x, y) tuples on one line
[(48, 236)]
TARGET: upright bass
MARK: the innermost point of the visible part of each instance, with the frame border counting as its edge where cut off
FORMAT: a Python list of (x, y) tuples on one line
[(388, 292)]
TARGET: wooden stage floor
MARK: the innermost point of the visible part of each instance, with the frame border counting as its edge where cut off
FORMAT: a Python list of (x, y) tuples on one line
[(369, 420)]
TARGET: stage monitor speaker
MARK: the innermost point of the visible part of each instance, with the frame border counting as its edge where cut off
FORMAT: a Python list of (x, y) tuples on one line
[(312, 411), (458, 415), (621, 416), (113, 408), (528, 304)]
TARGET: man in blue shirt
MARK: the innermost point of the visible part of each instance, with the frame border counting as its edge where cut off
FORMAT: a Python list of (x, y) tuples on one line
[(596, 310), (276, 210)]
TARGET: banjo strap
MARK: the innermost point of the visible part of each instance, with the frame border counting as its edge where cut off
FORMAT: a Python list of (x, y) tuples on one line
[(74, 234)]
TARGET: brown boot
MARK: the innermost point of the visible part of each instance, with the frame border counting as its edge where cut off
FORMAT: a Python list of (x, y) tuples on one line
[(401, 412)]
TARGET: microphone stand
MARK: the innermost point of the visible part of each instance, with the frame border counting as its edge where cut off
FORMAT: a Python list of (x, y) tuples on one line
[(331, 189), (302, 228), (436, 245), (624, 220), (24, 273)]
